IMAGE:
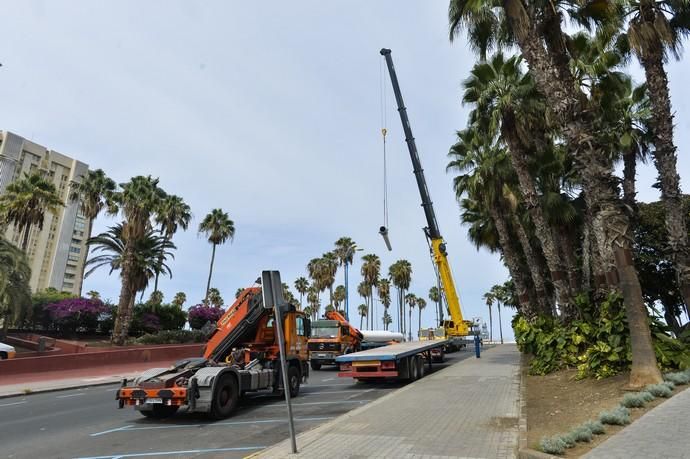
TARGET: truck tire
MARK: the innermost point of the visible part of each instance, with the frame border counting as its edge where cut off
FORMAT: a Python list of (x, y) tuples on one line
[(419, 363), (160, 411), (315, 365), (294, 380), (225, 397)]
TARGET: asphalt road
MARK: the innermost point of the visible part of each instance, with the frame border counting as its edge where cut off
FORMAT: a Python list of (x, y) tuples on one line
[(85, 423)]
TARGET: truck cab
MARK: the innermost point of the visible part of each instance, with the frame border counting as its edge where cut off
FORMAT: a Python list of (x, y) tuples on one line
[(330, 338)]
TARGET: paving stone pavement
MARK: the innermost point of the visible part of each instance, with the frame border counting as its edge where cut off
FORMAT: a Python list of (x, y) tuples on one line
[(661, 433), (468, 410)]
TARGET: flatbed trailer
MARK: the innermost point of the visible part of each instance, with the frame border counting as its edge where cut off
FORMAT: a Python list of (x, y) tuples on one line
[(395, 361)]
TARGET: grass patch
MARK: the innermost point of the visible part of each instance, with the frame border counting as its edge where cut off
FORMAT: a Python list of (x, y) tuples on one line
[(552, 445), (619, 416)]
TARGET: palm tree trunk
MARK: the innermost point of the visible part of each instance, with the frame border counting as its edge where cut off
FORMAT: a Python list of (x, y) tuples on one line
[(543, 306), (629, 174), (500, 324), (511, 259), (409, 331), (25, 239), (419, 324), (347, 294), (491, 326), (542, 228), (361, 321), (210, 273), (665, 162), (121, 326)]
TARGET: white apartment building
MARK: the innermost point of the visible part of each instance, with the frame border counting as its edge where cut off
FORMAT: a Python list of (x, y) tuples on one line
[(58, 252)]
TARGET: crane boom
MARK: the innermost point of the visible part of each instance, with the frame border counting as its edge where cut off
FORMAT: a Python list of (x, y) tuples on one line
[(457, 326)]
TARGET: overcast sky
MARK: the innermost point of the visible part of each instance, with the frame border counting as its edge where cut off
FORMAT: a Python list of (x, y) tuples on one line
[(272, 112)]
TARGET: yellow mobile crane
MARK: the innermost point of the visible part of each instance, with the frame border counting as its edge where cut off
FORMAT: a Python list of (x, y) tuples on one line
[(457, 326)]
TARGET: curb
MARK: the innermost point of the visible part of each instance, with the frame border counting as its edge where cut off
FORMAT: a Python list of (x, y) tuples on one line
[(62, 388), (327, 425)]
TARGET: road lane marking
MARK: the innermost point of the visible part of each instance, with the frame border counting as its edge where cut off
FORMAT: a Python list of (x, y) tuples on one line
[(317, 403), (171, 453), (15, 403), (70, 395), (111, 430), (132, 427), (328, 385)]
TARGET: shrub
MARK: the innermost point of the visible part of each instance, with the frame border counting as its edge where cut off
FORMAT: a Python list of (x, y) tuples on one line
[(76, 314), (569, 439), (172, 337), (582, 434), (552, 445), (680, 378), (619, 416), (669, 384), (200, 314), (171, 317), (659, 390), (636, 399), (596, 427)]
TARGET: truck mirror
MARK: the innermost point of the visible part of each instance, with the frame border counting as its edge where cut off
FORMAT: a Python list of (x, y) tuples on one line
[(307, 327)]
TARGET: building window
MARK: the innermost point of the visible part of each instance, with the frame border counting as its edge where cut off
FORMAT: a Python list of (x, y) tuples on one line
[(75, 249), (67, 285), (69, 276), (76, 241), (72, 258)]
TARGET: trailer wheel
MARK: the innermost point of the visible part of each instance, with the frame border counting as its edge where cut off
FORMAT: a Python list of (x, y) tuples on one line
[(315, 365), (294, 380), (160, 411), (225, 397), (412, 368), (419, 363)]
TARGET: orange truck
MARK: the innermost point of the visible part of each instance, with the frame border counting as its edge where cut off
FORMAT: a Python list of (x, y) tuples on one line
[(331, 337), (241, 356)]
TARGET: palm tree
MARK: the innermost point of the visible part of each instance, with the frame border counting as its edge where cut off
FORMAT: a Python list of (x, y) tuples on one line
[(364, 290), (500, 296), (371, 269), (362, 309), (400, 274), (387, 319), (411, 301), (302, 286), (489, 299), (421, 304), (137, 200), (218, 229), (238, 292), (435, 297), (179, 300), (137, 263), (287, 295), (314, 301), (214, 298), (329, 266), (339, 296), (173, 214), (25, 202), (539, 35), (315, 269), (92, 192), (384, 289), (15, 294), (345, 249), (655, 30), (501, 91), (93, 294)]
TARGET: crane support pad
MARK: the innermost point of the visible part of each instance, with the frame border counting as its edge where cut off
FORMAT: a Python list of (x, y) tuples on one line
[(391, 352)]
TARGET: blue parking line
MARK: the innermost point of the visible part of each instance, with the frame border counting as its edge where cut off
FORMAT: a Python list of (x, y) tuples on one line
[(170, 453)]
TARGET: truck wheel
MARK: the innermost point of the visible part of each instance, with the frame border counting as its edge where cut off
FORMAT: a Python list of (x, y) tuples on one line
[(225, 397), (294, 380), (315, 365), (160, 411)]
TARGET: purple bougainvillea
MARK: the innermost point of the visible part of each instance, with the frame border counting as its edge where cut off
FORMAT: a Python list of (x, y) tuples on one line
[(200, 314), (74, 314), (151, 322)]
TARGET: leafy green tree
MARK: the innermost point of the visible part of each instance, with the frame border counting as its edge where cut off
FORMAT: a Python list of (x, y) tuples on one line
[(173, 214), (15, 294), (25, 202), (218, 229), (302, 287)]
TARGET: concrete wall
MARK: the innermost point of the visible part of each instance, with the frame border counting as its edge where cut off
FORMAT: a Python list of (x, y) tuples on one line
[(105, 358)]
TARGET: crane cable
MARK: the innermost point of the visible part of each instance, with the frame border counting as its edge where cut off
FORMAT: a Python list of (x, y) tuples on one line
[(384, 131)]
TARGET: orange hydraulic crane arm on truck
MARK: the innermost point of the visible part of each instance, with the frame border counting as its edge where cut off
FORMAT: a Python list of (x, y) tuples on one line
[(335, 315)]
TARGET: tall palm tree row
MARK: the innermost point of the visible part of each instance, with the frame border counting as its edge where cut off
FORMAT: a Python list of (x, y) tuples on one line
[(218, 229), (15, 294), (560, 221)]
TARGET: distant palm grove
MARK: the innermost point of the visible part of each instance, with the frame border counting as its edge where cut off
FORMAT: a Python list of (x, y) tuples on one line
[(553, 113)]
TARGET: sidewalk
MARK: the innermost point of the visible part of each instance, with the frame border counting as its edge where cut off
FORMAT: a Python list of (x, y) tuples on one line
[(469, 410), (660, 433), (48, 381)]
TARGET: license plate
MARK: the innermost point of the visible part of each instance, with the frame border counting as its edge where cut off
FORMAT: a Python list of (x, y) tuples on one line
[(154, 400), (323, 356)]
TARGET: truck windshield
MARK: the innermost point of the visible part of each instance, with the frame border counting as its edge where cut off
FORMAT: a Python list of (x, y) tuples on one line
[(325, 332)]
